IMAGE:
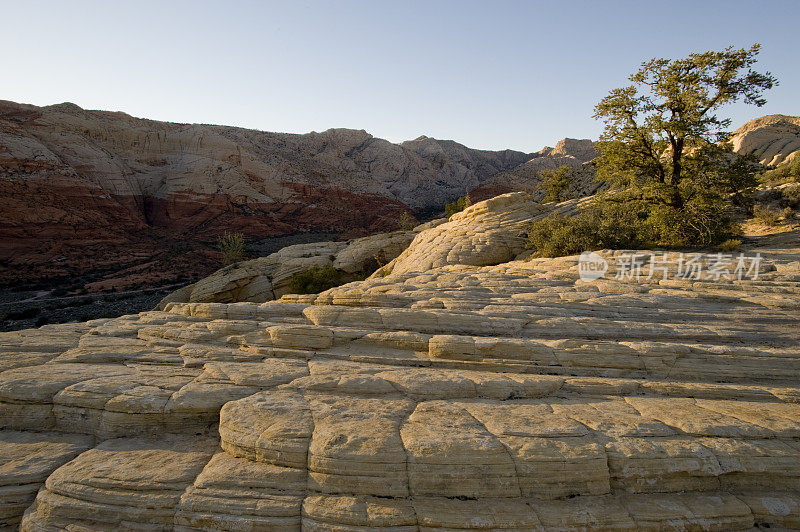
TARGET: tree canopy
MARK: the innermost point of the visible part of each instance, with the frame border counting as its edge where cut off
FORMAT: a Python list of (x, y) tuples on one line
[(556, 183), (673, 178), (663, 127)]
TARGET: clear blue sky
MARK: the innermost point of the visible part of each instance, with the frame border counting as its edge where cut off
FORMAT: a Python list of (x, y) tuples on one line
[(492, 74)]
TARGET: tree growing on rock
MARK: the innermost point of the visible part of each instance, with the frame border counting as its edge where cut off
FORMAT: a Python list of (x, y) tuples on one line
[(556, 183), (672, 176), (458, 205), (662, 128), (405, 222), (665, 144)]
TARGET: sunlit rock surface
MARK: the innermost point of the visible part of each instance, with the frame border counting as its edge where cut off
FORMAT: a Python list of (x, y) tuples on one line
[(773, 139), (512, 396), (267, 278)]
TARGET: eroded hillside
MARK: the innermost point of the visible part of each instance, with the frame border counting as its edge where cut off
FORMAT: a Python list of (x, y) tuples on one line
[(94, 190)]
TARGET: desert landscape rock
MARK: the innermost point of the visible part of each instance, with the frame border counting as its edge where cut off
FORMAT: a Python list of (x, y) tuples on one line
[(463, 391), (773, 139), (268, 278), (134, 202), (84, 188), (487, 233)]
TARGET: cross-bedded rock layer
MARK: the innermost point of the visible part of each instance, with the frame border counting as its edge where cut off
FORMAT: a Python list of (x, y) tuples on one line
[(461, 390), (511, 397)]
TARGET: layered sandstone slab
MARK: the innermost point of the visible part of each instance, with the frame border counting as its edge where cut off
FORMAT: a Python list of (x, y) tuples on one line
[(512, 396), (26, 460)]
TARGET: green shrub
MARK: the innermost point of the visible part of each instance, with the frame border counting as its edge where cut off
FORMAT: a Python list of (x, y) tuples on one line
[(457, 206), (766, 216), (231, 245), (785, 173), (703, 221), (557, 235), (405, 222), (623, 221), (556, 183), (315, 280), (596, 227), (731, 244), (792, 195)]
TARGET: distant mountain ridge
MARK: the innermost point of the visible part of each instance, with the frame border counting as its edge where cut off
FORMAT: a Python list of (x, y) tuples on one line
[(97, 189)]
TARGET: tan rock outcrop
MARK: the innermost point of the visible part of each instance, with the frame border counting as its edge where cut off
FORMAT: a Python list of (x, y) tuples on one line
[(512, 396), (489, 232), (268, 278), (773, 139)]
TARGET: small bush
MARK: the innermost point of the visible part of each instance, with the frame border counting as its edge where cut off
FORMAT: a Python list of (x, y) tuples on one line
[(457, 206), (405, 222), (628, 223), (731, 244), (792, 194), (785, 173), (557, 235), (556, 183), (787, 213), (231, 245), (765, 215), (315, 280)]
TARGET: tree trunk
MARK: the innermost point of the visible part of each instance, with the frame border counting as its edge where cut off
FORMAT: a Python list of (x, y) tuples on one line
[(677, 158)]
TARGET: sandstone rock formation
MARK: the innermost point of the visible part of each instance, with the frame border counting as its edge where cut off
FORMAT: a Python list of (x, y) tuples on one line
[(82, 188), (490, 232), (512, 396), (774, 139), (574, 153), (487, 233), (267, 278)]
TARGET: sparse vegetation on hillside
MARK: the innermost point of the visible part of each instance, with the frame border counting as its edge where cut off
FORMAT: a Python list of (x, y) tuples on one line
[(231, 245), (405, 222), (556, 183), (457, 206), (672, 182), (776, 205), (785, 173), (732, 244), (766, 215), (621, 222)]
